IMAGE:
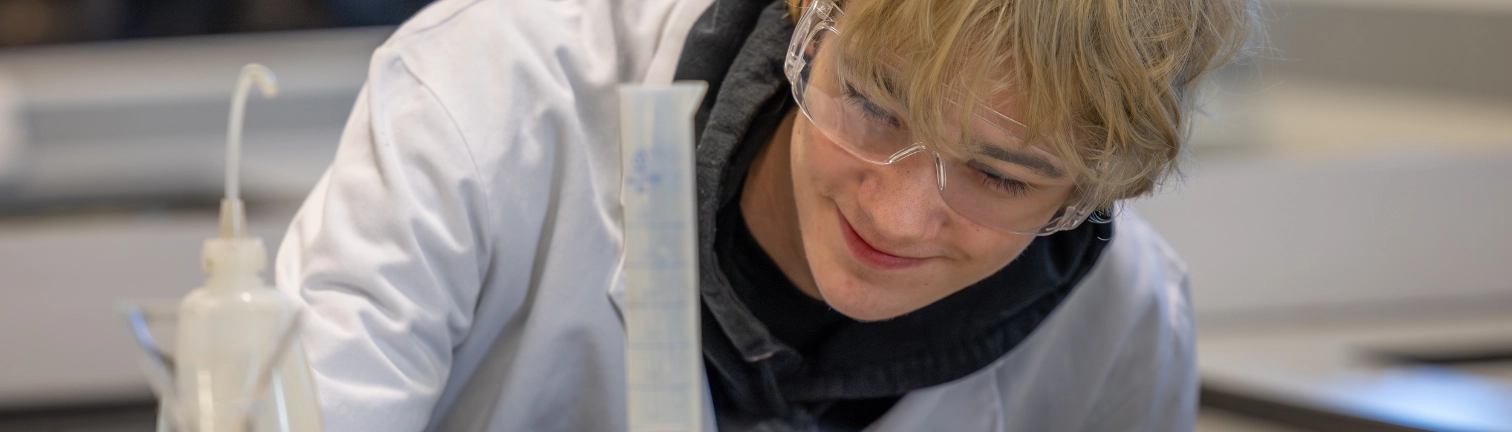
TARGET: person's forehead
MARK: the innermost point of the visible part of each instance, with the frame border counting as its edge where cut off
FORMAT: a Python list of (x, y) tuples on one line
[(1000, 108), (995, 102), (993, 129)]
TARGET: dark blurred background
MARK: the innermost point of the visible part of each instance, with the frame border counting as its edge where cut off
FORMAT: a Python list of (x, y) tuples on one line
[(43, 22)]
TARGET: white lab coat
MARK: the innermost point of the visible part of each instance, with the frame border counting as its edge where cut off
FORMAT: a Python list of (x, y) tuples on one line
[(460, 258)]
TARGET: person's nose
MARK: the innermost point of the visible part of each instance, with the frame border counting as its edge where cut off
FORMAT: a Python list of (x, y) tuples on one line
[(903, 200)]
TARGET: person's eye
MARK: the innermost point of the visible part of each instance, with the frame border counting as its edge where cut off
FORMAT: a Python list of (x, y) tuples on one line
[(869, 109), (996, 180)]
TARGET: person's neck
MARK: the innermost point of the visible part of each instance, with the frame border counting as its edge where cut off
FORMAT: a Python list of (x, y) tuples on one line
[(766, 202)]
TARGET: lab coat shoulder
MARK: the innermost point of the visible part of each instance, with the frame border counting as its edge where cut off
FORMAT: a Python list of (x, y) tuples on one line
[(1116, 355), (388, 253), (1151, 384), (510, 68), (423, 239), (529, 87), (509, 74)]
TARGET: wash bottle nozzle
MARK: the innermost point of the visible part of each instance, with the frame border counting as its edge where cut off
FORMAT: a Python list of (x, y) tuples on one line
[(233, 213)]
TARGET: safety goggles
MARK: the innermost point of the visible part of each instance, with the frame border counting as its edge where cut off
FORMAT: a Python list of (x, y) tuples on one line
[(996, 181)]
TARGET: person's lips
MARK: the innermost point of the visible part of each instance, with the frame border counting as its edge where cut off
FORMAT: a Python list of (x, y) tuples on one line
[(870, 255)]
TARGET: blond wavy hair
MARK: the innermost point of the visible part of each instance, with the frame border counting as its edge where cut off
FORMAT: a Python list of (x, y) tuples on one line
[(1109, 86)]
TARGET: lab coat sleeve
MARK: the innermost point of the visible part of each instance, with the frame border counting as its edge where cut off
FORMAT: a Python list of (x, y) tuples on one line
[(388, 253), (1153, 384)]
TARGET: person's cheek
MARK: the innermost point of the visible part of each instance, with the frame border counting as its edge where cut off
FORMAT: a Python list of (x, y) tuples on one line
[(813, 160), (987, 251)]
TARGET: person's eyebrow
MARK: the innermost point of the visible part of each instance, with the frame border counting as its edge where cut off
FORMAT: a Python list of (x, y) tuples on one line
[(888, 84), (1029, 160)]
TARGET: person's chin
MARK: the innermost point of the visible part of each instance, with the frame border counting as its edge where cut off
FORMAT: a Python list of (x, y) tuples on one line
[(862, 300)]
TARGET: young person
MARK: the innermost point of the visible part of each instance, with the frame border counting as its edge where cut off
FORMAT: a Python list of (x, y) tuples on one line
[(906, 214)]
